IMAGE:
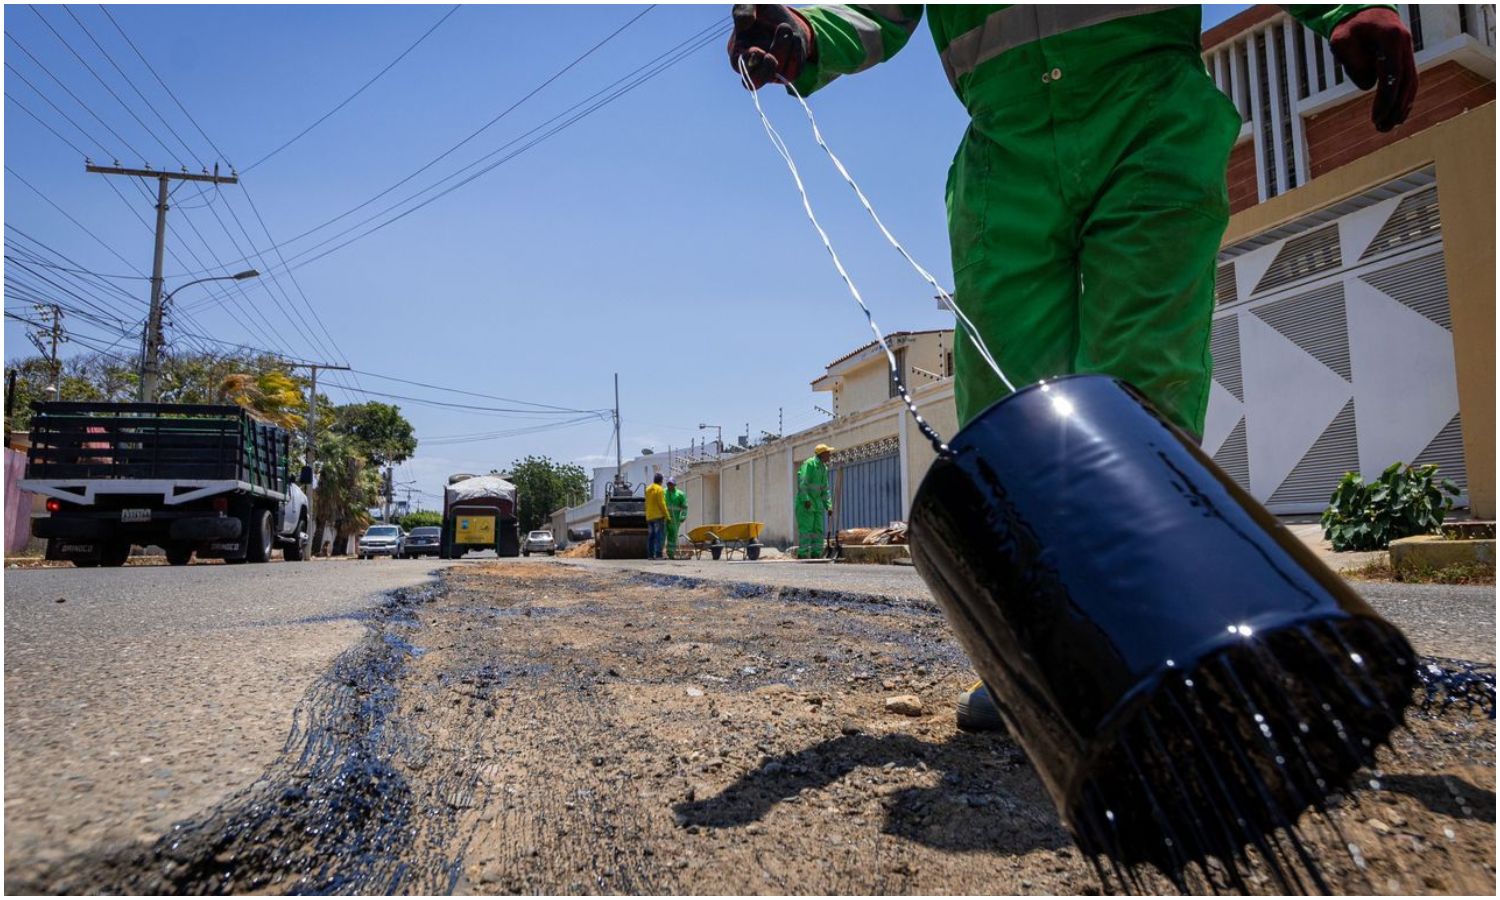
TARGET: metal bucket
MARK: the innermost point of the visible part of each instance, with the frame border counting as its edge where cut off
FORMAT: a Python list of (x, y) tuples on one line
[(1185, 675)]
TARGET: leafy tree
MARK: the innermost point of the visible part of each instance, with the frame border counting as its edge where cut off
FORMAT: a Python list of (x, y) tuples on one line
[(544, 486), (420, 518), (378, 431)]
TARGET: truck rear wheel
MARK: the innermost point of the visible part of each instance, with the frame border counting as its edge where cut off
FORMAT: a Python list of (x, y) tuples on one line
[(179, 554), (261, 536)]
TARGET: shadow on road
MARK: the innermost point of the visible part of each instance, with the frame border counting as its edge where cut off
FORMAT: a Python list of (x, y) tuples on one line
[(987, 799), (1445, 795)]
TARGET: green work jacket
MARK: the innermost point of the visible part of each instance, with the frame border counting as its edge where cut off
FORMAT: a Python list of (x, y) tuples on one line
[(812, 484), (997, 54), (676, 504)]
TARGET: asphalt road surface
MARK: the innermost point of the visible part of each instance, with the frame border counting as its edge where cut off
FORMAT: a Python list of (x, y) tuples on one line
[(139, 697), (135, 697)]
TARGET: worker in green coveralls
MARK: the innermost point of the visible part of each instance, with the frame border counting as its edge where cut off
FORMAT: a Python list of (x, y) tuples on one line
[(676, 514), (1088, 198), (814, 503)]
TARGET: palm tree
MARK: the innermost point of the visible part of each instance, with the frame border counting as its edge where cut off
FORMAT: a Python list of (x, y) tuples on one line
[(346, 490), (274, 396)]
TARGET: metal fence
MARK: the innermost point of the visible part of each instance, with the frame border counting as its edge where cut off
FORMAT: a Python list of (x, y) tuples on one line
[(868, 492)]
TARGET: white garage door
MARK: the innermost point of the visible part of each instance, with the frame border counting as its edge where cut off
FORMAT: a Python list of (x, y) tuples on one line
[(1333, 349)]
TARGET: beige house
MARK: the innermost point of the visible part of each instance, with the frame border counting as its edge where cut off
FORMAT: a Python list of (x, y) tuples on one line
[(1355, 315), (881, 456)]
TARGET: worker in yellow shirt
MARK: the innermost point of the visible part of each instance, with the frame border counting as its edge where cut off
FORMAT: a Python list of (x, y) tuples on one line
[(656, 518)]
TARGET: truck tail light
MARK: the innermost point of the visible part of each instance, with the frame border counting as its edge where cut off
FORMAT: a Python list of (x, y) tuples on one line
[(53, 504), (221, 504)]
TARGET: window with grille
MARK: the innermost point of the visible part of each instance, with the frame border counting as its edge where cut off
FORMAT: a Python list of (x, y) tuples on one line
[(1415, 219), (1284, 121), (1267, 123), (1301, 257), (899, 373)]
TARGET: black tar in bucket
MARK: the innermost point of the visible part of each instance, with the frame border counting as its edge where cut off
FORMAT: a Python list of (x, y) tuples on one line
[(1185, 675)]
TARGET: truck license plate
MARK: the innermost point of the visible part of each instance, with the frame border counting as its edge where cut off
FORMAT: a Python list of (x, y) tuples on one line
[(135, 515)]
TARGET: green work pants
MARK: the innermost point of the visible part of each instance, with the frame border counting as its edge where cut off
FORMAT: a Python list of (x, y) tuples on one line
[(1085, 213), (811, 530), (674, 522)]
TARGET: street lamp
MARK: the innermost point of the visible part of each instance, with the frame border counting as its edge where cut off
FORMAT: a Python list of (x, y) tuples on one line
[(151, 362), (719, 441)]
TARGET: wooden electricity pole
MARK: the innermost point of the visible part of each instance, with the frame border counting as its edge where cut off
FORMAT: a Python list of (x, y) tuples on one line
[(47, 341), (312, 434), (151, 356)]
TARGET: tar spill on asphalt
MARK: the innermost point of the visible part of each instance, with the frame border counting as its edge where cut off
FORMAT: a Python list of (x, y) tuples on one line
[(337, 812)]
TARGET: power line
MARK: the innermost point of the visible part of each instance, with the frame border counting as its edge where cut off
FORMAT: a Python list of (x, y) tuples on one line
[(43, 123), (274, 281), (486, 126), (224, 156), (78, 56), (86, 108), (475, 408), (89, 272), (346, 100), (152, 70), (504, 159), (438, 387), (507, 433), (111, 60), (69, 217)]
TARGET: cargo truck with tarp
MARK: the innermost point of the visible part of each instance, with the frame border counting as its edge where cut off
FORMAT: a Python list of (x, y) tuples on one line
[(211, 480), (479, 513)]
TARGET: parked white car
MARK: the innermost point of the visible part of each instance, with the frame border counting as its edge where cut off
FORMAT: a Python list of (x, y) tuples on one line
[(382, 540), (539, 542)]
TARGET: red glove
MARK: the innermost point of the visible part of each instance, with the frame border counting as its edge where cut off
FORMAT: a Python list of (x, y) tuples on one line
[(773, 40), (1374, 47)]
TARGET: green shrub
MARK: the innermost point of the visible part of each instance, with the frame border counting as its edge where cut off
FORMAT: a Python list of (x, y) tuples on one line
[(420, 518), (1403, 501)]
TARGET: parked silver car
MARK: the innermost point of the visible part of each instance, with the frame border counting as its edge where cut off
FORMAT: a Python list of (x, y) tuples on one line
[(382, 540), (539, 542)]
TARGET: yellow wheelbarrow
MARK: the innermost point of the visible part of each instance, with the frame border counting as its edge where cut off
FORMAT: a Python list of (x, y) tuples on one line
[(726, 540)]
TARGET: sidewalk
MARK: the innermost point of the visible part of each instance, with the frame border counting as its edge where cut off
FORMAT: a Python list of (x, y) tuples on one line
[(1456, 621)]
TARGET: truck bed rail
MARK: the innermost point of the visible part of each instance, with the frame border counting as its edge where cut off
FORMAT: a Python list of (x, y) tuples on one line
[(71, 440)]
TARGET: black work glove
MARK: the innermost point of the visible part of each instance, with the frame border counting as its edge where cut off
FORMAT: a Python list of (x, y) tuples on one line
[(773, 40), (1374, 47)]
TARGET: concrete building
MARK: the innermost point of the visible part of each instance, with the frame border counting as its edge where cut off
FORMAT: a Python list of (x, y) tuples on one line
[(1356, 297), (1356, 285)]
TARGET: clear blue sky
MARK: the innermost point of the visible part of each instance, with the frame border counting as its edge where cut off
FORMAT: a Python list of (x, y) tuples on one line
[(659, 237)]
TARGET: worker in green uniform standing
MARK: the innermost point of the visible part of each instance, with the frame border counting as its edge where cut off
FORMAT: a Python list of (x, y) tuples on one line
[(676, 514), (1087, 198), (814, 503)]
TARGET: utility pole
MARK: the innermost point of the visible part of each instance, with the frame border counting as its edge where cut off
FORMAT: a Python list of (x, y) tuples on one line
[(312, 433), (390, 488), (46, 342), (151, 357), (619, 457)]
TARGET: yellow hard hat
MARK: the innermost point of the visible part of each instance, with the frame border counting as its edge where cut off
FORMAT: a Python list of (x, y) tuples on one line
[(822, 449)]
